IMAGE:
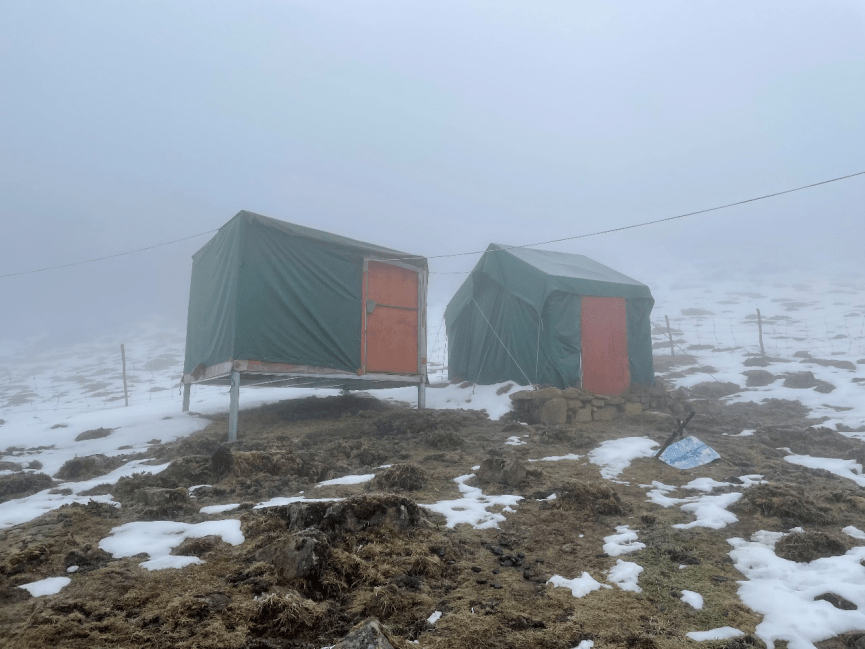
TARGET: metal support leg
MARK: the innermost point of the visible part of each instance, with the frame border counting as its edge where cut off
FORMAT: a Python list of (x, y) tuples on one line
[(187, 390), (235, 401), (421, 396)]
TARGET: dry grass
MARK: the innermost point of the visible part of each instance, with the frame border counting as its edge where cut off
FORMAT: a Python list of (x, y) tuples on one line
[(287, 615), (405, 477), (96, 433), (806, 546), (785, 501), (594, 497)]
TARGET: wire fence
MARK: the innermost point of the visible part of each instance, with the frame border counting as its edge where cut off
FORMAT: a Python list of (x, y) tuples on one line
[(826, 334)]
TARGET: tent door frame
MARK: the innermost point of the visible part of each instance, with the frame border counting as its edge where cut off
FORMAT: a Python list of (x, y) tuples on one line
[(422, 282), (621, 318)]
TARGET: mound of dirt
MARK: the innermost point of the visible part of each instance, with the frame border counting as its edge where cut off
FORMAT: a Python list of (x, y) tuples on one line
[(87, 558), (161, 503), (841, 365), (405, 477), (758, 378), (96, 433), (25, 560), (596, 498), (91, 466), (414, 423), (807, 441), (804, 547), (324, 408), (762, 361), (22, 484), (806, 380), (368, 635), (252, 463), (198, 546), (286, 615), (785, 501), (499, 470), (715, 389), (555, 435), (350, 515), (187, 471)]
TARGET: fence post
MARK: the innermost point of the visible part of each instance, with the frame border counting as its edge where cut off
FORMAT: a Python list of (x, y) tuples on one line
[(670, 334), (760, 329), (123, 359)]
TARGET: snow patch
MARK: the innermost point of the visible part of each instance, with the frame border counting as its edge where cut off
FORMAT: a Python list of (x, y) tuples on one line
[(579, 586), (693, 599), (616, 455), (721, 633), (218, 509), (557, 458), (159, 538), (625, 574), (347, 479), (472, 508), (849, 469), (50, 586), (622, 542)]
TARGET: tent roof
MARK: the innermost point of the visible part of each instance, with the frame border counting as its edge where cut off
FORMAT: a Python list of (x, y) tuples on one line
[(568, 265), (253, 219), (532, 275)]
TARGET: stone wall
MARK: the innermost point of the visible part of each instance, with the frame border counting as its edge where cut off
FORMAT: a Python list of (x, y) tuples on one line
[(573, 405)]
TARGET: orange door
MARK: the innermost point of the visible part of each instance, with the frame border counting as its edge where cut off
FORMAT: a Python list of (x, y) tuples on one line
[(390, 336), (604, 335)]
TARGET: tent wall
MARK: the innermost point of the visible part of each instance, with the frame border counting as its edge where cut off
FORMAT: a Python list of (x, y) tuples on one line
[(212, 317), (299, 301), (640, 340), (486, 353)]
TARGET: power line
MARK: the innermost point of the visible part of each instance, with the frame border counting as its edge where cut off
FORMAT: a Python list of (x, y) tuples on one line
[(478, 252), (119, 254), (655, 222)]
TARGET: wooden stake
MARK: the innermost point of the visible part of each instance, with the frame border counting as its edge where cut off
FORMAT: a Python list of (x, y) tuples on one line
[(123, 358), (760, 329), (187, 389), (670, 334)]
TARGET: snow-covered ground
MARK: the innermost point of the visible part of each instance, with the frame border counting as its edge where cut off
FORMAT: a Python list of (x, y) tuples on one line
[(716, 323), (48, 401)]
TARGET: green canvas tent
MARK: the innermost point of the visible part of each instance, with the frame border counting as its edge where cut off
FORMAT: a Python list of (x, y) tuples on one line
[(540, 317), (275, 303)]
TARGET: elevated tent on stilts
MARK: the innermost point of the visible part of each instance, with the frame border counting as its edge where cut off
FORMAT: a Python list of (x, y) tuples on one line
[(277, 304), (540, 317)]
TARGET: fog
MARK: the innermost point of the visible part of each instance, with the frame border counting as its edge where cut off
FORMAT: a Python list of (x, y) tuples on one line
[(429, 127)]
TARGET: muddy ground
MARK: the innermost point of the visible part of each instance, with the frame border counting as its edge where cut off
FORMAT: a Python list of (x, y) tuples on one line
[(307, 573)]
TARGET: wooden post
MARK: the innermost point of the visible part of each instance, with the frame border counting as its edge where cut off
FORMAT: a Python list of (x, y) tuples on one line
[(187, 390), (760, 329), (670, 334), (235, 401), (421, 396), (123, 358)]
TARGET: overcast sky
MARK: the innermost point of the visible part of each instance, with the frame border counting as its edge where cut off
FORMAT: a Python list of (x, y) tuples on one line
[(430, 127)]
